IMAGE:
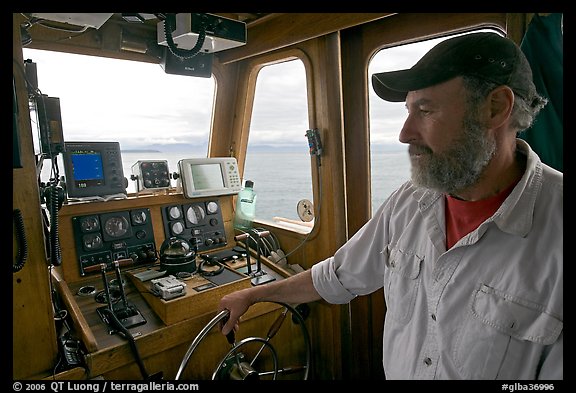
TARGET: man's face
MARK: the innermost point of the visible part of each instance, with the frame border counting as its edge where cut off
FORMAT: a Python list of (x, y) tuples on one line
[(449, 146)]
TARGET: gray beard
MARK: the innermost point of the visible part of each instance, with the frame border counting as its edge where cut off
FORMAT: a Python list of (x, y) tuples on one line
[(459, 167)]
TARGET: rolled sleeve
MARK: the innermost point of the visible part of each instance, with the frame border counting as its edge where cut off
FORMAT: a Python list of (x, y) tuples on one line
[(327, 283)]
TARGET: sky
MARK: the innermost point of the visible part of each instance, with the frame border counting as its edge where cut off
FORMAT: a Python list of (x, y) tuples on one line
[(152, 108)]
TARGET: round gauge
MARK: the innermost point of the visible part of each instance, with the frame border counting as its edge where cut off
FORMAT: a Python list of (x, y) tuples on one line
[(174, 212), (195, 214), (89, 224), (92, 241), (116, 226), (305, 210), (212, 207), (138, 217), (177, 227)]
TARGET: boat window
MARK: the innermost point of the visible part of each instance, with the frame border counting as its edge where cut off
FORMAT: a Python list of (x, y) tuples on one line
[(389, 161), (152, 114), (278, 155)]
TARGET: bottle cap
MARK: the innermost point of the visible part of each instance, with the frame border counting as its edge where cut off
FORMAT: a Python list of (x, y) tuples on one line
[(249, 184)]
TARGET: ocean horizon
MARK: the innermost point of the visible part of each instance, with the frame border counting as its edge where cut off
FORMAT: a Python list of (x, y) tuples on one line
[(280, 186)]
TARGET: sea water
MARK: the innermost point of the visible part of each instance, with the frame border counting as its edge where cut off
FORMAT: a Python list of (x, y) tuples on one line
[(281, 179)]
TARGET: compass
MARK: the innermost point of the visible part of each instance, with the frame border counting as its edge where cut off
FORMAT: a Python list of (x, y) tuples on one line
[(305, 210)]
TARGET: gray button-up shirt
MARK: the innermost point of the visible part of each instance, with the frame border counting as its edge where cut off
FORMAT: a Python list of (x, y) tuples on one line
[(491, 307)]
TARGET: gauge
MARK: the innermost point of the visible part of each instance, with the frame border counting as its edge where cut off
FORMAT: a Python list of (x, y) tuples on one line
[(116, 226), (212, 207), (92, 241), (138, 217), (174, 212), (305, 210), (195, 214), (89, 224), (177, 227)]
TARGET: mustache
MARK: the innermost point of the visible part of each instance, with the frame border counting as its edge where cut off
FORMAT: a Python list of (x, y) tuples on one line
[(419, 149)]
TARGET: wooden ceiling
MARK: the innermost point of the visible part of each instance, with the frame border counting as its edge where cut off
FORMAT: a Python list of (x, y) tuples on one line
[(81, 20)]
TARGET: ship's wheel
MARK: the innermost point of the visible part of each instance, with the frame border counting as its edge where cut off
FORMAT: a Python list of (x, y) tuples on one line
[(243, 360)]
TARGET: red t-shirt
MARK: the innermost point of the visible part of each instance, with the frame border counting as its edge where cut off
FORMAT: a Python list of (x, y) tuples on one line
[(462, 217)]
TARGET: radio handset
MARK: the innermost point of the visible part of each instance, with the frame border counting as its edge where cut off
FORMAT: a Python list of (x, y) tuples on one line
[(70, 352)]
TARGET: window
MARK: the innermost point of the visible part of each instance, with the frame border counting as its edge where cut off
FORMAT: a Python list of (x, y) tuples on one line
[(153, 115), (277, 157)]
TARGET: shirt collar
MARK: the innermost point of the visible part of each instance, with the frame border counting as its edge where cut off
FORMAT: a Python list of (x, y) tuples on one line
[(516, 214)]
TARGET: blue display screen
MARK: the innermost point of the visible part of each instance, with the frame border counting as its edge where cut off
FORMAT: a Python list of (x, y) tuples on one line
[(87, 165)]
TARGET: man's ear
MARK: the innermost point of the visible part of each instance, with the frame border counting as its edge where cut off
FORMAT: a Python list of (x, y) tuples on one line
[(501, 103)]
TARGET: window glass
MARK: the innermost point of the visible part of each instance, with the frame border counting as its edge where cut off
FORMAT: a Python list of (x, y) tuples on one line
[(153, 115), (277, 157)]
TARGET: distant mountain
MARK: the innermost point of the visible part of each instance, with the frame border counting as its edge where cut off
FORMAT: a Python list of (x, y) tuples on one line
[(140, 151), (201, 149)]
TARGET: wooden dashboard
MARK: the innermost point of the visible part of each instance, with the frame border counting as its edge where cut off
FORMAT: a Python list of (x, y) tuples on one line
[(170, 325)]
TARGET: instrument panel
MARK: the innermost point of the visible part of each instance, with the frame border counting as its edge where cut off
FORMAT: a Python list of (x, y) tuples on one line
[(106, 237), (201, 223)]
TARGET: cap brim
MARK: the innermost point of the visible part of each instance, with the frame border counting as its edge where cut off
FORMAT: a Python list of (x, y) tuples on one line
[(381, 83), (395, 85)]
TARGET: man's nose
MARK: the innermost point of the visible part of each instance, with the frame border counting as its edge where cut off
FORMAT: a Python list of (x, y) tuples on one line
[(409, 132)]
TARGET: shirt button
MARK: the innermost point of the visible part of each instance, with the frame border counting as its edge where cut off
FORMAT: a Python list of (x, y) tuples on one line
[(427, 361), (433, 316)]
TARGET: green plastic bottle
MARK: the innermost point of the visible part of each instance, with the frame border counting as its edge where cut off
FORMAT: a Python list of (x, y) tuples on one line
[(245, 207)]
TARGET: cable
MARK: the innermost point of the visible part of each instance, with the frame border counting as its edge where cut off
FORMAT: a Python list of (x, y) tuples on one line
[(209, 273), (117, 325), (54, 197), (170, 26), (22, 253), (315, 145)]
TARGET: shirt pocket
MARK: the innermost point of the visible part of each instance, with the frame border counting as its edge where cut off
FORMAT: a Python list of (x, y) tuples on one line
[(495, 319), (401, 288)]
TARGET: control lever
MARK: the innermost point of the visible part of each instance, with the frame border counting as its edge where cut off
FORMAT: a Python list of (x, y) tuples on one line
[(260, 235), (116, 265), (244, 237), (260, 277), (107, 289), (127, 314), (105, 266)]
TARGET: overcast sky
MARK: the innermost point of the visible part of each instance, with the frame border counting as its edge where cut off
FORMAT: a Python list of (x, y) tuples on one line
[(152, 107)]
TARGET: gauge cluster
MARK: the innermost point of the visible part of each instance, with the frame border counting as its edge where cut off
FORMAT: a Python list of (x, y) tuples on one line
[(106, 237), (201, 223)]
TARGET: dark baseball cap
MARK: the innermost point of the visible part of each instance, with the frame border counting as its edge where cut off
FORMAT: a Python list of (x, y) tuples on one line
[(485, 55)]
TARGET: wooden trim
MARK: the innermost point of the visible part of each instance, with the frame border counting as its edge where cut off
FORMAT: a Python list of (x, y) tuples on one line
[(80, 325), (293, 28), (34, 344)]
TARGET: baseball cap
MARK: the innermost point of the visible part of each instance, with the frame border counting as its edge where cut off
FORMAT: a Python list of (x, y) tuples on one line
[(485, 55)]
